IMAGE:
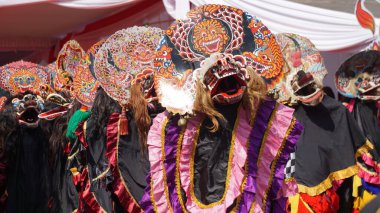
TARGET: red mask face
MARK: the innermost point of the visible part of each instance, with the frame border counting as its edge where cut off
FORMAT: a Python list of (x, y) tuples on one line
[(225, 78)]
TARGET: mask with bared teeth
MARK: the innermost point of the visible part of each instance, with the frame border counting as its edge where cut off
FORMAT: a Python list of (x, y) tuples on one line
[(224, 76), (306, 89), (28, 106)]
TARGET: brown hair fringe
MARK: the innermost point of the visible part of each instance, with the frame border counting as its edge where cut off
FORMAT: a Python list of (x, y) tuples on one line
[(140, 113), (253, 95)]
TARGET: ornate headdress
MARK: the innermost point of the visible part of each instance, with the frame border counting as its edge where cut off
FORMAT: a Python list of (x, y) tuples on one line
[(85, 88), (304, 70), (211, 29), (68, 58), (21, 76), (22, 79), (121, 60), (84, 84), (359, 76), (90, 55), (62, 93)]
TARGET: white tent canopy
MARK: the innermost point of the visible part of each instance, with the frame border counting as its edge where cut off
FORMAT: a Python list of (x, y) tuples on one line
[(328, 29), (338, 35)]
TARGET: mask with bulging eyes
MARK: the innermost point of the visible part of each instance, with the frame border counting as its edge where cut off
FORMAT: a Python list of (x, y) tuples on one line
[(28, 107), (225, 77), (306, 89), (359, 76)]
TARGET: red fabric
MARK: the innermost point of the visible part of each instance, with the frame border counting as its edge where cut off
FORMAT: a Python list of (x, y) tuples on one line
[(350, 105), (327, 202), (67, 148), (378, 113), (87, 201), (112, 133), (79, 132), (125, 198)]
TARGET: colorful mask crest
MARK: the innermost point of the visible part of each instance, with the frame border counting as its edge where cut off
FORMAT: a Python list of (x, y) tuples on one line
[(85, 85), (46, 89), (69, 57), (304, 70), (211, 29), (22, 76), (224, 76), (359, 76), (126, 58), (90, 55)]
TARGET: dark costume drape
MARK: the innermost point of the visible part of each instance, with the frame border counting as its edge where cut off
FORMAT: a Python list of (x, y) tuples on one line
[(28, 175)]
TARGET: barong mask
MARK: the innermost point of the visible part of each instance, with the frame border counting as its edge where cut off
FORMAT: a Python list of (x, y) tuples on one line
[(126, 59), (22, 79), (28, 107), (22, 76), (61, 91), (306, 89), (211, 29), (224, 76), (359, 76), (85, 84), (69, 57), (304, 71)]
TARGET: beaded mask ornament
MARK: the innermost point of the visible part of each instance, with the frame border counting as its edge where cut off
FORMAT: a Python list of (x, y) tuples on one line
[(124, 59), (21, 76), (304, 70), (84, 84), (69, 57), (359, 76), (211, 29), (90, 55), (46, 89)]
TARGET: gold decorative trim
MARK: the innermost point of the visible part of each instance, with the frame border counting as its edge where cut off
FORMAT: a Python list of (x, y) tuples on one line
[(289, 179), (263, 141), (101, 175), (73, 155), (327, 183), (162, 164), (117, 165), (267, 132), (93, 194), (166, 190), (152, 196), (230, 157), (274, 163), (245, 171), (364, 149), (177, 175)]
